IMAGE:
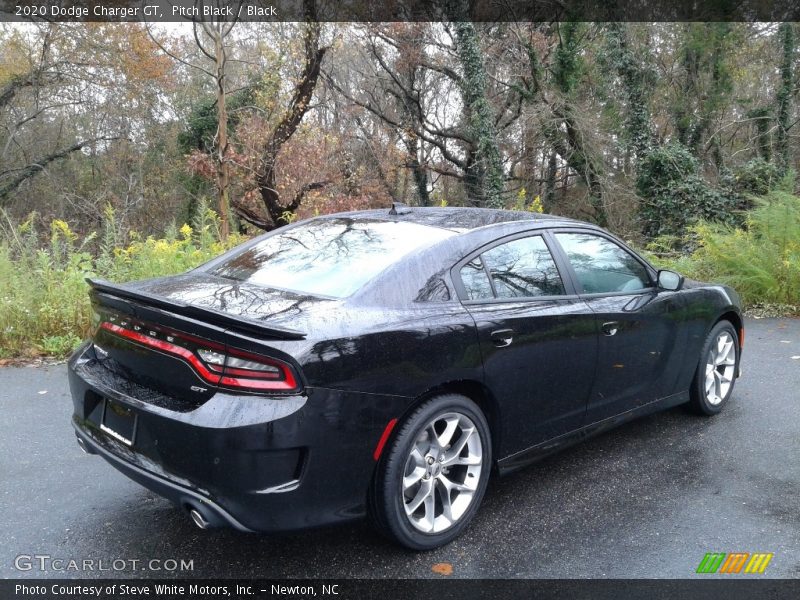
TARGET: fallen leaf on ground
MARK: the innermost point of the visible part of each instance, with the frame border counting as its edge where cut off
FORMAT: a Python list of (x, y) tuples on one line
[(442, 568)]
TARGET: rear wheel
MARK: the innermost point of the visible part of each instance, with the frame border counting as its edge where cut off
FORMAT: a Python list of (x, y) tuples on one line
[(716, 372), (432, 479)]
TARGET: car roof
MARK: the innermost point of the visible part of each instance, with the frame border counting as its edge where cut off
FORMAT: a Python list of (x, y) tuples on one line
[(455, 218)]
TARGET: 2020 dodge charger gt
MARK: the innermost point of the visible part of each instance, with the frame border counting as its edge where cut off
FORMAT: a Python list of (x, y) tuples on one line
[(384, 362)]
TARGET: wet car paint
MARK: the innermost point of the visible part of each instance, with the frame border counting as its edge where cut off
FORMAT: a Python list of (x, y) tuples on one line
[(367, 359)]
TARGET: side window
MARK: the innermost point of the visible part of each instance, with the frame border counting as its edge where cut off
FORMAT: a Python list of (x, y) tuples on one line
[(476, 281), (601, 265), (522, 268)]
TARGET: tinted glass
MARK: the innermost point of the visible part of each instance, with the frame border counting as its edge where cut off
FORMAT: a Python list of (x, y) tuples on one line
[(523, 269), (328, 257), (476, 281), (601, 265)]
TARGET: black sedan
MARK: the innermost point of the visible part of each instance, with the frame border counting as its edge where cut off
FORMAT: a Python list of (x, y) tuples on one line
[(384, 362)]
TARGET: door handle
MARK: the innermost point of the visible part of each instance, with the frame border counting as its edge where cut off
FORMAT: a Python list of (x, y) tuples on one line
[(610, 328), (502, 337)]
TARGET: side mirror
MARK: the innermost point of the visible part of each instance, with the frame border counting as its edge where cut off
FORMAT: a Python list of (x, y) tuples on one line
[(669, 280)]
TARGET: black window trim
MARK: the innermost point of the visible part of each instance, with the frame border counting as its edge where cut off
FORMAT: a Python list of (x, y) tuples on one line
[(485, 270), (651, 272), (570, 291)]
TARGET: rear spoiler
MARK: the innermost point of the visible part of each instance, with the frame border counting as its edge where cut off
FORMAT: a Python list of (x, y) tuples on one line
[(209, 315)]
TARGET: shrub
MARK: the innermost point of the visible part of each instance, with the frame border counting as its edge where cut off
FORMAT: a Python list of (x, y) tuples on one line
[(755, 178), (44, 305), (760, 260), (675, 195)]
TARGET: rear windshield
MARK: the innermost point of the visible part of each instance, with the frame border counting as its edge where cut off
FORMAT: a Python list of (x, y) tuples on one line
[(328, 257)]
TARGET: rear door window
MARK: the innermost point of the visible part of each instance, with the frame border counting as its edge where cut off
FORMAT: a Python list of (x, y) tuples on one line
[(521, 268)]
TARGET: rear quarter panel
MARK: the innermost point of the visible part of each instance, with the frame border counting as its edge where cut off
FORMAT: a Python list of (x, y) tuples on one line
[(401, 352)]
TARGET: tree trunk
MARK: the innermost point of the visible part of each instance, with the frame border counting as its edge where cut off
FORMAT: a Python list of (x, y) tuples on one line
[(298, 107), (638, 126), (550, 183), (418, 171), (485, 182), (572, 149), (560, 128), (784, 95), (12, 179), (223, 176), (408, 105), (762, 119)]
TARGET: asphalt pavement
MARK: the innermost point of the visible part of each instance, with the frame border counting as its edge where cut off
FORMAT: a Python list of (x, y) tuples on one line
[(648, 499)]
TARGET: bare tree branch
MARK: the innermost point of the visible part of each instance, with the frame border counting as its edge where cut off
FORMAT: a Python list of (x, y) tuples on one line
[(25, 173)]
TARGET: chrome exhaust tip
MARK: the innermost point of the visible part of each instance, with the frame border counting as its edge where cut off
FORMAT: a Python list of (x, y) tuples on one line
[(198, 519), (82, 445)]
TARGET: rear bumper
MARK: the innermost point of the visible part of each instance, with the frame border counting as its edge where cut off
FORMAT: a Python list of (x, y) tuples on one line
[(253, 463), (183, 496)]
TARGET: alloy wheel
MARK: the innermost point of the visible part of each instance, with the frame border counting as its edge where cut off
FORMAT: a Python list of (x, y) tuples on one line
[(442, 473), (720, 367)]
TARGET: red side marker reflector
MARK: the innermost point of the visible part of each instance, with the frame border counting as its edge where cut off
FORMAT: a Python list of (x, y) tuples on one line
[(741, 338), (384, 438)]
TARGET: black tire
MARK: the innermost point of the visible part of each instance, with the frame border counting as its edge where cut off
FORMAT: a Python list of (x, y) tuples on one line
[(389, 497), (705, 402)]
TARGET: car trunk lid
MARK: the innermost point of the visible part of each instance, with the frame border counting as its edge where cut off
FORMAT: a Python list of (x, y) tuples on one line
[(188, 342)]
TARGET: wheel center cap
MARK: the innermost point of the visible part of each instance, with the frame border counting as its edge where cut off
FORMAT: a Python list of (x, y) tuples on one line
[(436, 469)]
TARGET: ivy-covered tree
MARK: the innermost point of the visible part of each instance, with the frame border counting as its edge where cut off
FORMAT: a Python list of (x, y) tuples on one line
[(674, 193), (559, 109), (484, 177), (633, 70), (707, 85), (785, 93), (415, 90), (201, 123)]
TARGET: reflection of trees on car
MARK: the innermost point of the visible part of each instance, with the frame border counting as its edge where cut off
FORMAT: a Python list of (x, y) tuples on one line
[(601, 265), (523, 282), (523, 268), (329, 257)]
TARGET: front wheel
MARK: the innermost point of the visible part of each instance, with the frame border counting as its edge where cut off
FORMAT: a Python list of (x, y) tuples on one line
[(717, 370), (432, 480)]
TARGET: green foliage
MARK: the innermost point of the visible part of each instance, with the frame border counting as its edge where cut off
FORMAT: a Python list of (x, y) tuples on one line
[(706, 56), (201, 126), (486, 178), (756, 177), (761, 260), (634, 69), (59, 345), (44, 305), (675, 195), (569, 66)]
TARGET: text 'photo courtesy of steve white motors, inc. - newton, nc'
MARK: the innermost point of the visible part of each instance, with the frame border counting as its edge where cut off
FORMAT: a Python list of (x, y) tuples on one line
[(146, 10), (161, 590)]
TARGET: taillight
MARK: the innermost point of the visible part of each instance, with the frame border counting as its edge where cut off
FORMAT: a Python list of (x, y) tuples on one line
[(214, 362), (249, 371)]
